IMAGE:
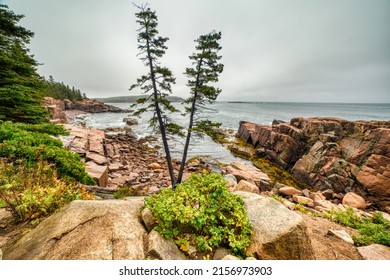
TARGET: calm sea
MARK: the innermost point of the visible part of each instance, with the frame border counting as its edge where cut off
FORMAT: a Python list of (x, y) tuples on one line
[(230, 114)]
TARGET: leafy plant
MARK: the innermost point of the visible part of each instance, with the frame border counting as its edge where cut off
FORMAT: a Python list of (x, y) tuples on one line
[(32, 192), (375, 230), (201, 212)]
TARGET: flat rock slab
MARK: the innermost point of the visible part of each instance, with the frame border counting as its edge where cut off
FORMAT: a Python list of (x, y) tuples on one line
[(278, 233), (85, 230)]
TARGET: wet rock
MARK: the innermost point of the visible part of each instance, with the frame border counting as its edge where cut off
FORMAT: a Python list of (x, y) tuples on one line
[(130, 121)]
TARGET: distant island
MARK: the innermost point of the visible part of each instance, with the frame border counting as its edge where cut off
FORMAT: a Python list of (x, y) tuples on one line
[(133, 99)]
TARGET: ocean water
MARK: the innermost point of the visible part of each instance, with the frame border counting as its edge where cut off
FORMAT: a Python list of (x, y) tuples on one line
[(231, 113)]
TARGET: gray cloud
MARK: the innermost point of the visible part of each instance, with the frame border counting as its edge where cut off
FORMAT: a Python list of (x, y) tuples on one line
[(273, 50)]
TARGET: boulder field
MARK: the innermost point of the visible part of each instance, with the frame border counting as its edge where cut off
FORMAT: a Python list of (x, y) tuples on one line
[(329, 153)]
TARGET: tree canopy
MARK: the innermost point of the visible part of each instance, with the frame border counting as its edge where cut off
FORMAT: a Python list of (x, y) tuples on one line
[(59, 90), (20, 85)]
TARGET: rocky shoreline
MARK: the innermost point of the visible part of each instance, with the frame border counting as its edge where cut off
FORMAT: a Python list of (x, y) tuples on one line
[(290, 226), (64, 111), (329, 154)]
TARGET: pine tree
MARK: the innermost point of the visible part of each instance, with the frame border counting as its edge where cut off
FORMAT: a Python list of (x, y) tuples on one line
[(20, 85), (206, 71), (157, 82)]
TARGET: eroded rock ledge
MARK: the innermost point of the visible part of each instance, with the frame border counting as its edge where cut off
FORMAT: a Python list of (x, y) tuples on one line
[(329, 153)]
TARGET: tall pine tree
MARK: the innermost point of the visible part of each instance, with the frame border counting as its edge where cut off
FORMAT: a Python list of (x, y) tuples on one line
[(157, 82), (20, 85), (205, 72)]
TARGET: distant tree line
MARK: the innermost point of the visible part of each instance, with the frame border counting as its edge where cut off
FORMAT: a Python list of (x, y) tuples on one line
[(59, 90)]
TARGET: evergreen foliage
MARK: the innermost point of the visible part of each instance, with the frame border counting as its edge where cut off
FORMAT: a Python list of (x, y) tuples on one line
[(28, 144), (20, 85), (59, 90), (205, 72), (156, 83)]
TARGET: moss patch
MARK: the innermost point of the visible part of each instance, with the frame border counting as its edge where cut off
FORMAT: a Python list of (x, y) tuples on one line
[(244, 150)]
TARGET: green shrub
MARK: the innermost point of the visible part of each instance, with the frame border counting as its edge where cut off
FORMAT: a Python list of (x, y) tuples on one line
[(201, 212), (26, 143), (375, 230), (32, 192)]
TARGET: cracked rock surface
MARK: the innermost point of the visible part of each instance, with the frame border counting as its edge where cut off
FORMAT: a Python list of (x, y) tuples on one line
[(85, 230)]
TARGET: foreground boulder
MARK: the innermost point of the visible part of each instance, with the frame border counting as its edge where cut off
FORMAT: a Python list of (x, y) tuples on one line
[(86, 230), (278, 233)]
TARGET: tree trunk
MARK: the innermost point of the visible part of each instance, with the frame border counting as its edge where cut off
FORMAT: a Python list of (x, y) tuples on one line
[(191, 124), (160, 120)]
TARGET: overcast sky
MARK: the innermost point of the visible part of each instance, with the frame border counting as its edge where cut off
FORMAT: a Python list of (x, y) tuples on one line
[(273, 50)]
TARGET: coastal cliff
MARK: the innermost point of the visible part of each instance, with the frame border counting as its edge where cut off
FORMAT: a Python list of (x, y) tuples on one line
[(57, 108), (329, 153)]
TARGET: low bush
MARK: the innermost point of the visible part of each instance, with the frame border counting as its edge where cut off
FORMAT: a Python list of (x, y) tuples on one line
[(33, 192), (375, 230), (202, 213)]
